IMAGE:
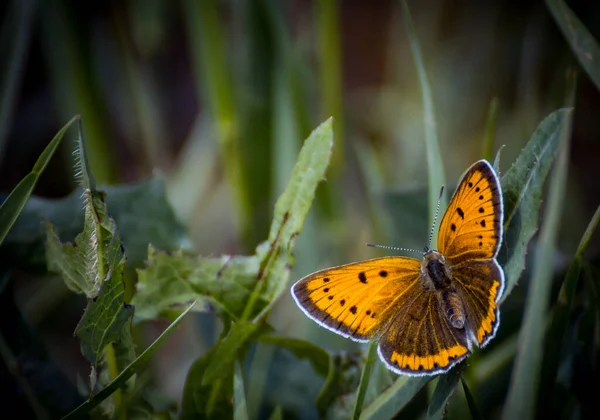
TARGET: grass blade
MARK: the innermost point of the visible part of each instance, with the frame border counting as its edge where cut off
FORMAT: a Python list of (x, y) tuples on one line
[(582, 43), (490, 130), (14, 203), (129, 371), (364, 379), (470, 401), (240, 412), (435, 165), (14, 42), (522, 393), (443, 391), (327, 18)]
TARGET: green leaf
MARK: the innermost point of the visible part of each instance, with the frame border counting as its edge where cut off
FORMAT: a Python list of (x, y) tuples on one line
[(319, 358), (14, 203), (522, 187), (522, 393), (197, 395), (83, 265), (583, 45), (392, 400), (105, 316), (435, 164), (242, 287), (141, 211), (128, 372), (171, 280), (291, 210), (443, 391)]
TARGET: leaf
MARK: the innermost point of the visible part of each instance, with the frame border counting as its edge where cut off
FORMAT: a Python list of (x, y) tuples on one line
[(435, 164), (105, 316), (197, 394), (443, 391), (583, 45), (242, 287), (171, 280), (128, 372), (522, 190), (141, 211), (390, 402), (14, 203), (319, 358), (522, 393)]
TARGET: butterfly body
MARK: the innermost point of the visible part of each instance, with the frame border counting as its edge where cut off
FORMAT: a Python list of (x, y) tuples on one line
[(427, 314)]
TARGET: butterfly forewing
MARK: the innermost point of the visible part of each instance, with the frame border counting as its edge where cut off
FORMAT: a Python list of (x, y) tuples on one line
[(472, 225), (420, 341), (357, 300), (480, 284)]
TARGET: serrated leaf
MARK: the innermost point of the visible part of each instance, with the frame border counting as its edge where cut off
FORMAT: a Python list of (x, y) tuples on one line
[(82, 264), (522, 187), (14, 203), (171, 280), (242, 287), (128, 372), (141, 211)]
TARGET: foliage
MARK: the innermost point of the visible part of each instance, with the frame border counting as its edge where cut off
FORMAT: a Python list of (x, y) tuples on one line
[(138, 269)]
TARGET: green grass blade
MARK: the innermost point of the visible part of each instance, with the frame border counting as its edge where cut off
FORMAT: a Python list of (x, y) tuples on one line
[(490, 130), (435, 164), (392, 400), (443, 391), (14, 203), (14, 42), (364, 379), (583, 45), (327, 19), (522, 393), (470, 401), (130, 370)]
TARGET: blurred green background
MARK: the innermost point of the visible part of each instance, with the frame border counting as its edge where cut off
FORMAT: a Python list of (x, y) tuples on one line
[(216, 97)]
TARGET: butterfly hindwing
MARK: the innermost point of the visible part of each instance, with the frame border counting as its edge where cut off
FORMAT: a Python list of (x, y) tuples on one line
[(472, 225), (420, 341), (357, 300), (481, 284)]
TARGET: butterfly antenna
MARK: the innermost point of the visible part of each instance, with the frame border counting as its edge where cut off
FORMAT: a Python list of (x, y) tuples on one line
[(395, 248), (437, 210)]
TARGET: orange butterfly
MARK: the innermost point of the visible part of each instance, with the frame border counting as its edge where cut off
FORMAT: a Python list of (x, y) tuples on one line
[(426, 314)]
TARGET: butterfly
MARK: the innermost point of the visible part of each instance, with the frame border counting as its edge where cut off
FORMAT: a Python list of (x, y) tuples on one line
[(427, 314)]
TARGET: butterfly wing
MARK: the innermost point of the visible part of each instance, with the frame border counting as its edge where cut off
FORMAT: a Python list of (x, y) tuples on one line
[(357, 300), (472, 225), (420, 341), (480, 284)]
